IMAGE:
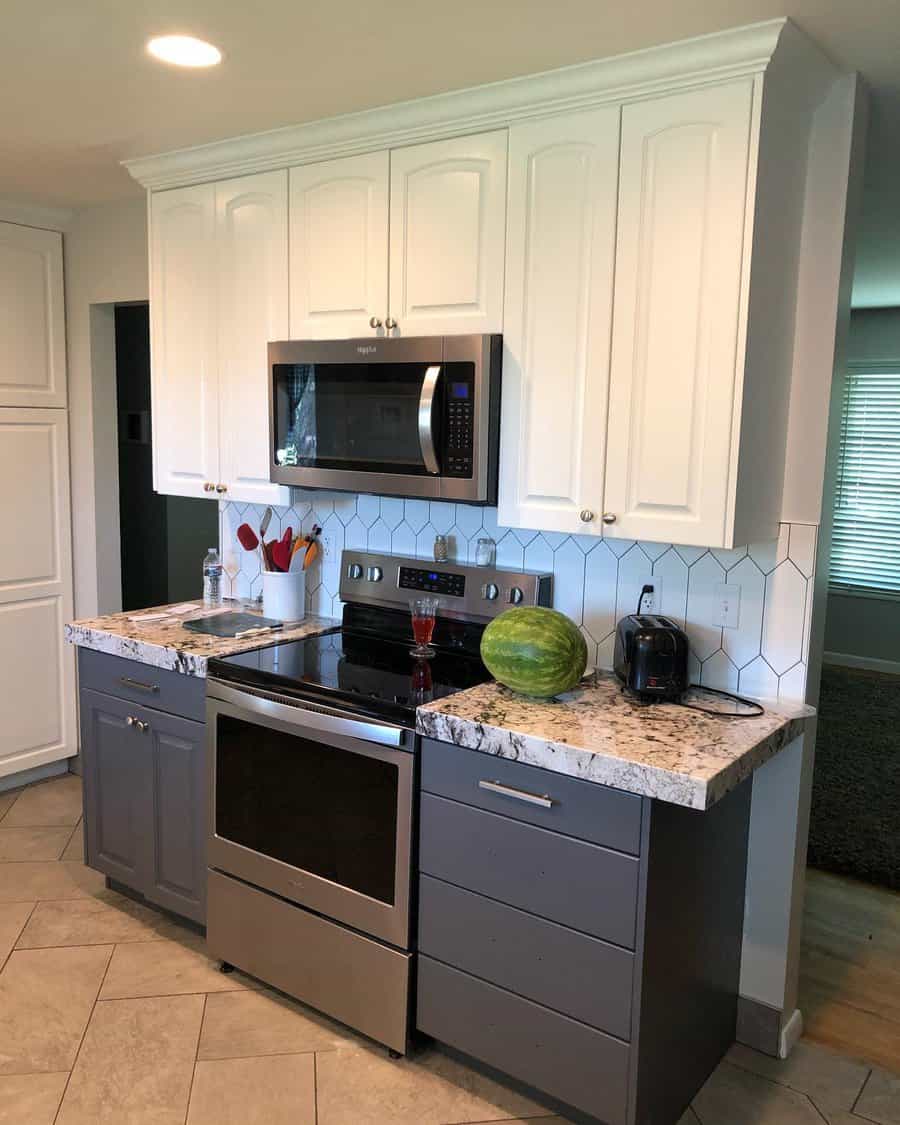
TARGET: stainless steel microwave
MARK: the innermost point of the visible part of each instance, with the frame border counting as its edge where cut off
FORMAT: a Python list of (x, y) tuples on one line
[(407, 416)]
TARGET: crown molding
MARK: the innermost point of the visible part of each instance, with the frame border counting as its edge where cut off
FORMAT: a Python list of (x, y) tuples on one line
[(32, 215), (690, 62)]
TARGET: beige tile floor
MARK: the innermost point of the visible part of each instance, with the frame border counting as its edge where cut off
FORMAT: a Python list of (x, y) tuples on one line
[(112, 1014)]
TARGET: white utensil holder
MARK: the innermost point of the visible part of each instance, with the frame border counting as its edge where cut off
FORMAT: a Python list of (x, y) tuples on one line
[(284, 594)]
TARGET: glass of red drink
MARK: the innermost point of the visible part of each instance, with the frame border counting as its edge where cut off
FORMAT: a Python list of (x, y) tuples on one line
[(423, 612)]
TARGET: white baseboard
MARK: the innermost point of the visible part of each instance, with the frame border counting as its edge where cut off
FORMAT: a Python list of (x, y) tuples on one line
[(849, 660), (37, 773), (790, 1033)]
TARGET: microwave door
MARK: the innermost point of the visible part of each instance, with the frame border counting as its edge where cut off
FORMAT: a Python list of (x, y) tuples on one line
[(427, 402)]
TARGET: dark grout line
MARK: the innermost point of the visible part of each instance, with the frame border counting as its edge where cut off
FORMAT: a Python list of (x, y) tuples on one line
[(861, 1090), (13, 948), (87, 1024), (315, 1088), (187, 1108)]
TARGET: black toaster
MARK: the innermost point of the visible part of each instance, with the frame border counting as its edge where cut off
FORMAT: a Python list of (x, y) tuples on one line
[(651, 656)]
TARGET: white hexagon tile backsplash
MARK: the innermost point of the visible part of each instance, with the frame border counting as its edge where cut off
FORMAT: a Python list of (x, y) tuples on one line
[(595, 581)]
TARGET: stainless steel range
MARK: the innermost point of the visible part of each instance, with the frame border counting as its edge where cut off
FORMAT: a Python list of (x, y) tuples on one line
[(312, 760)]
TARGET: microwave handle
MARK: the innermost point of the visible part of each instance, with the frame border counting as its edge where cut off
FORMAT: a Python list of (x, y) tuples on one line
[(426, 419)]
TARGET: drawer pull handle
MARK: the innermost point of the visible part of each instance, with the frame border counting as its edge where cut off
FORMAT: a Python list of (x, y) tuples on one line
[(517, 794), (127, 681)]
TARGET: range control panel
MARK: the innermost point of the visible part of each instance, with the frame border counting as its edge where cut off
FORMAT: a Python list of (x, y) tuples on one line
[(432, 581), (474, 592)]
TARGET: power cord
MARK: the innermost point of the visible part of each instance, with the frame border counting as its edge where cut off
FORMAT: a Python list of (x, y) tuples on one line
[(757, 708)]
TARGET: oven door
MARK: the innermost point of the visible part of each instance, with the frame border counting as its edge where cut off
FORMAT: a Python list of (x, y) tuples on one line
[(312, 806)]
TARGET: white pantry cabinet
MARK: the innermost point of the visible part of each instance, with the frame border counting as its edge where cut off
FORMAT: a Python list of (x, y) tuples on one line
[(32, 317), (559, 284), (407, 242), (448, 209), (339, 246), (37, 667), (218, 270)]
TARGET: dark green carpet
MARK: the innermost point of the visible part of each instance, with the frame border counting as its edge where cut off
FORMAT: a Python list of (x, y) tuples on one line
[(855, 820)]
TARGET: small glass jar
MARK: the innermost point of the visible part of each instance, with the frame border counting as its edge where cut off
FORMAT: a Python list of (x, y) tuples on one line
[(485, 552), (441, 548)]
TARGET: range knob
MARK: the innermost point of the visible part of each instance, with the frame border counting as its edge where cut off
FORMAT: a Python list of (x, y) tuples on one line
[(490, 591), (374, 573), (515, 596), (355, 571)]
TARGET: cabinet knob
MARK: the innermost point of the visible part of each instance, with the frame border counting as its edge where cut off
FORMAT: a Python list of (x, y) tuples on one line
[(374, 322), (390, 323), (208, 487), (586, 515), (490, 591), (220, 488), (141, 726), (130, 720), (609, 517)]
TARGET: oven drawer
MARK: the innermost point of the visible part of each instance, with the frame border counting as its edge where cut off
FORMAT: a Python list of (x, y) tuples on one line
[(131, 680), (580, 808), (552, 1053), (569, 881), (354, 979), (577, 975)]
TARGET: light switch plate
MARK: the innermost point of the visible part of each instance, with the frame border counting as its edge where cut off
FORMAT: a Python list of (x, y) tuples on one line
[(726, 605)]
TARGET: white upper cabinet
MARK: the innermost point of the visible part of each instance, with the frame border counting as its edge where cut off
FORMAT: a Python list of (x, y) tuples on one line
[(559, 279), (252, 276), (339, 246), (448, 210), (679, 311), (32, 318), (182, 311)]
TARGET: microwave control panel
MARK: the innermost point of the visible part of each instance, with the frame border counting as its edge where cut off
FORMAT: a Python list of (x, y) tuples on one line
[(458, 427)]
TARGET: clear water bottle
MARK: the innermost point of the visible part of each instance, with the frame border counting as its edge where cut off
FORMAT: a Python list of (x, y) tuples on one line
[(212, 578)]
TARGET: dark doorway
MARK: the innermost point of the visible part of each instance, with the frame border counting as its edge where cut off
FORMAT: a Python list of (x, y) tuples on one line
[(163, 538)]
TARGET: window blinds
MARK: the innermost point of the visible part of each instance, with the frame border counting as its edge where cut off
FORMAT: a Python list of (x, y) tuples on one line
[(866, 542)]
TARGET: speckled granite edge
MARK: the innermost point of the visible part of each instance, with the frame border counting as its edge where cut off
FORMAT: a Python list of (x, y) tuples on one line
[(167, 644), (597, 734)]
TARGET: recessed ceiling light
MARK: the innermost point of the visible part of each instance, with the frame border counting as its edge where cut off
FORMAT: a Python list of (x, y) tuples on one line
[(184, 50)]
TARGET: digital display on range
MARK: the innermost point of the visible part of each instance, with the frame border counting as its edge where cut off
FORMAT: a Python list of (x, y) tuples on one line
[(432, 582)]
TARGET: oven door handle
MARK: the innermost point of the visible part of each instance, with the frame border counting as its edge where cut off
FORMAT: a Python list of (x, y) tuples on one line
[(297, 715), (426, 419)]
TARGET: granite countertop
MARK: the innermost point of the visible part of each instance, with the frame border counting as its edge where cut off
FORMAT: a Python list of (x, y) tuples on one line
[(597, 733), (162, 641)]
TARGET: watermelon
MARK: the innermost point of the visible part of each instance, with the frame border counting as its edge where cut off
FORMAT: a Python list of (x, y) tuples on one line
[(535, 651)]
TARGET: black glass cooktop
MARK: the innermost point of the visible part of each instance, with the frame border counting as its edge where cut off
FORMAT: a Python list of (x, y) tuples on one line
[(360, 672)]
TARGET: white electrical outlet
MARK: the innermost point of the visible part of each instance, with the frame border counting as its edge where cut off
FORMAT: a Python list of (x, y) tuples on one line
[(326, 545), (726, 605), (652, 603)]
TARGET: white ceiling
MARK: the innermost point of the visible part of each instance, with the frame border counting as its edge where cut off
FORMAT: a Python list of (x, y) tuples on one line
[(79, 94)]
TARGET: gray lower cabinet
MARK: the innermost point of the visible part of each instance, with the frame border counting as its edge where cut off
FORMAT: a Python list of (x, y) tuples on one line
[(144, 792), (587, 944)]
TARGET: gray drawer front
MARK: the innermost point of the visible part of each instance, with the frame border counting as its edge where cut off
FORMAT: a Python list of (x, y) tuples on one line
[(580, 808), (142, 683), (580, 1066), (568, 881), (577, 975)]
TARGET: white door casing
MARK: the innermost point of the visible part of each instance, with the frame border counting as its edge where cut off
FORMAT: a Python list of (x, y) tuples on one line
[(680, 258), (339, 246), (183, 316), (251, 309), (447, 236), (558, 307), (32, 318), (37, 669)]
